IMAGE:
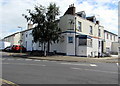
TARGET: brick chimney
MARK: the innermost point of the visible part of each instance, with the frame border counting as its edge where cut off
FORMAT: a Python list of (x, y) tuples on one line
[(97, 22), (70, 10)]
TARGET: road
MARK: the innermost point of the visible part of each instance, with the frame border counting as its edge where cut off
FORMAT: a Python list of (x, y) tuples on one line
[(31, 71)]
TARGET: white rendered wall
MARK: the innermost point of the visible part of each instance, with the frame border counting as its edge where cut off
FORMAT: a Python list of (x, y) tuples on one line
[(60, 47), (109, 41), (71, 46), (114, 47)]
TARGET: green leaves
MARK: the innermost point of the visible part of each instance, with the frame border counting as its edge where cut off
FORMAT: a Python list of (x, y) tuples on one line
[(46, 24)]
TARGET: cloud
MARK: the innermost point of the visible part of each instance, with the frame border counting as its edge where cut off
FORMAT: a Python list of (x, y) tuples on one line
[(11, 12), (105, 10)]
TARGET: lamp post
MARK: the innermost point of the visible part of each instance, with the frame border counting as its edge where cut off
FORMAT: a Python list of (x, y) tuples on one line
[(20, 39), (75, 36), (98, 43), (99, 33)]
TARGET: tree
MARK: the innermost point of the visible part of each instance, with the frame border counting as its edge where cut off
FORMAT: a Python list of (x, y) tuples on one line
[(46, 28)]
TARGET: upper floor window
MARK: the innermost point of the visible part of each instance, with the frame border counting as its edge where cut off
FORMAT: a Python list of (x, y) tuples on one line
[(111, 37), (70, 39), (79, 26), (26, 35), (99, 32), (114, 38), (91, 30), (107, 36)]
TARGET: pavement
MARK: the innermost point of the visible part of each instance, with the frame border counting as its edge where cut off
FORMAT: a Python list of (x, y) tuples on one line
[(7, 83), (67, 58)]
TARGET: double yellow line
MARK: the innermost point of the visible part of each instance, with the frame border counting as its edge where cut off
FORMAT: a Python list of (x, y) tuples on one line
[(7, 83)]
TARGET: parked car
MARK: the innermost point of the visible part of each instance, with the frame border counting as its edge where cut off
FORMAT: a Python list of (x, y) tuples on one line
[(18, 48)]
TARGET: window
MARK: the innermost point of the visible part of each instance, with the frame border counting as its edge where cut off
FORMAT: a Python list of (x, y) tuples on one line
[(26, 44), (107, 36), (79, 26), (70, 39), (91, 30), (32, 41), (99, 32), (26, 35), (114, 38), (82, 41), (99, 44), (111, 37), (89, 42), (39, 44), (30, 33)]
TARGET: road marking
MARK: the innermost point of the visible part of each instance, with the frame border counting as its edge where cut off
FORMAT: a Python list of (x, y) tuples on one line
[(28, 59), (37, 60), (95, 70), (20, 59), (10, 59), (94, 65), (117, 64), (45, 60), (25, 64), (53, 61)]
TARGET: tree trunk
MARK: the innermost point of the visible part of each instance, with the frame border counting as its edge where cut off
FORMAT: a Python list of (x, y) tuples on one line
[(44, 49)]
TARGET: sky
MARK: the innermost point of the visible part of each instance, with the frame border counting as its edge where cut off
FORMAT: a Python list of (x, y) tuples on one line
[(11, 12)]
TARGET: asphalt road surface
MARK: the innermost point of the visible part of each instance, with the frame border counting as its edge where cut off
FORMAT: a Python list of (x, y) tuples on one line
[(31, 71)]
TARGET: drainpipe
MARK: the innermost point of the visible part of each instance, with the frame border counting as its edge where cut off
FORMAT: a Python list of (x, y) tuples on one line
[(98, 43), (75, 37)]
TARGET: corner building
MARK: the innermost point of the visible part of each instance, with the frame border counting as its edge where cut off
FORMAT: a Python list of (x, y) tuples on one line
[(81, 35)]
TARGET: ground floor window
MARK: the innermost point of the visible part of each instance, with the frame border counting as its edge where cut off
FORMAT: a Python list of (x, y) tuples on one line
[(70, 39), (26, 44), (82, 42), (89, 42)]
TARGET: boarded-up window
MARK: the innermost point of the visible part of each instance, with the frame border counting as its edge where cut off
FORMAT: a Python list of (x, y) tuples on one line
[(82, 42), (89, 42)]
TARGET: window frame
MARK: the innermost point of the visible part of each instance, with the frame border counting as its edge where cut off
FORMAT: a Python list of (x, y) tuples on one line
[(99, 32), (91, 30), (80, 26), (70, 39), (81, 44)]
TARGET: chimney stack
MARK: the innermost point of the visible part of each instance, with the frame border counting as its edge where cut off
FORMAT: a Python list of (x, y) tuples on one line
[(70, 10), (97, 22)]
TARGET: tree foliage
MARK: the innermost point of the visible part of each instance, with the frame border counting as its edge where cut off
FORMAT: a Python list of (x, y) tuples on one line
[(45, 28)]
